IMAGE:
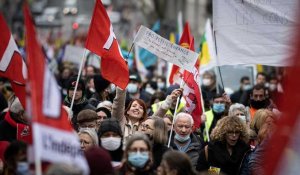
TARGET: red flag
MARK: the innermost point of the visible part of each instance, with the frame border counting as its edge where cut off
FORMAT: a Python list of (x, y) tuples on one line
[(12, 66), (53, 136), (186, 41), (282, 156), (191, 91), (102, 41)]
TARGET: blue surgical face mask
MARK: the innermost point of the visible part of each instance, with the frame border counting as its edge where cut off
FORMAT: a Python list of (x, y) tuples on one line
[(218, 107), (181, 139), (138, 159), (22, 168), (132, 88)]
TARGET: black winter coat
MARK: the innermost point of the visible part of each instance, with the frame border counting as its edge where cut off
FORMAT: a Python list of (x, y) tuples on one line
[(218, 156)]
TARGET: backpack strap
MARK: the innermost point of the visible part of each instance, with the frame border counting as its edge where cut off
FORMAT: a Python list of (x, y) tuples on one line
[(206, 152)]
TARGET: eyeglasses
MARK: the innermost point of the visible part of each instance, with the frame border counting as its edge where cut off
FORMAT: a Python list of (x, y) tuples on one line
[(145, 126), (232, 133)]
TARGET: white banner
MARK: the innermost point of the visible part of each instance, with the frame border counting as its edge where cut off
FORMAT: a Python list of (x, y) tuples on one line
[(166, 50), (56, 145), (254, 31)]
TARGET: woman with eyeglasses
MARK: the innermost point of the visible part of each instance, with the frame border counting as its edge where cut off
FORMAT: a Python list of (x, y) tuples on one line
[(228, 145), (88, 138), (137, 159), (156, 130)]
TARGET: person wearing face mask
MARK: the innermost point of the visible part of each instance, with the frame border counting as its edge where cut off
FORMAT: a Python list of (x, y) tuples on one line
[(183, 139), (110, 138), (156, 130), (274, 94), (239, 111), (209, 85), (135, 91), (137, 156), (258, 100), (242, 94), (218, 110)]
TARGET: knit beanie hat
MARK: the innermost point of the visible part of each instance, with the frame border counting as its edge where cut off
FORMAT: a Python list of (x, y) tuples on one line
[(72, 83), (110, 124), (99, 161)]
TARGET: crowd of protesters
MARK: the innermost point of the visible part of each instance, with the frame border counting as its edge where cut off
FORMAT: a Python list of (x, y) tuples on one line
[(127, 131)]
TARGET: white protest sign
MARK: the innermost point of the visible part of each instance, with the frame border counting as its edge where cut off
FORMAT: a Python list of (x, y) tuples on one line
[(56, 145), (254, 31), (166, 50), (74, 54)]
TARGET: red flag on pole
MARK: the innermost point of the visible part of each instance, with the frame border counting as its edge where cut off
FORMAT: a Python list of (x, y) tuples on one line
[(102, 41), (53, 137), (191, 91), (12, 66), (185, 41), (282, 156)]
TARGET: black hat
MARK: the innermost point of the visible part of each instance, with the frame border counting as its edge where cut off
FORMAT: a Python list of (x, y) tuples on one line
[(72, 83), (135, 77), (171, 88), (100, 83), (110, 124)]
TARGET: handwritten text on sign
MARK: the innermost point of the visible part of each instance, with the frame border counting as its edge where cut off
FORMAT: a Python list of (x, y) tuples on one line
[(166, 50)]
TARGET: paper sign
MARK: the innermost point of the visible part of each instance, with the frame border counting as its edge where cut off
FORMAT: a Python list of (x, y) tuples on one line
[(166, 50)]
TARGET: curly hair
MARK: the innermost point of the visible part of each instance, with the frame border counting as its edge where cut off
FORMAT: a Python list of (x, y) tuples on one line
[(227, 124)]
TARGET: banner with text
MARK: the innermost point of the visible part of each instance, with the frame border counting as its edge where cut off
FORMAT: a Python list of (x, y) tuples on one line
[(166, 50), (254, 31), (55, 145)]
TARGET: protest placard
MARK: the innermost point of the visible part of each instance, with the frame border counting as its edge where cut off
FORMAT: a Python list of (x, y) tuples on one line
[(166, 50)]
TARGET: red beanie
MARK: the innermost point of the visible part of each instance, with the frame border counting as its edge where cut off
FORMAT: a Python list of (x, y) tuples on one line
[(3, 146), (99, 161)]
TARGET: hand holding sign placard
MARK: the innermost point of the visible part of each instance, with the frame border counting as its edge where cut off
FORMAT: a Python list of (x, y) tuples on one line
[(166, 50)]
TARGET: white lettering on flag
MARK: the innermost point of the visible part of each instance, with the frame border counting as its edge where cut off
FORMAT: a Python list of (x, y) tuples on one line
[(51, 96), (8, 53), (55, 145), (166, 50)]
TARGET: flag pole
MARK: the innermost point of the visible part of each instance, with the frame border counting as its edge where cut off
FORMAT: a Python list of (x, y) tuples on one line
[(175, 112), (131, 47), (217, 62), (80, 70)]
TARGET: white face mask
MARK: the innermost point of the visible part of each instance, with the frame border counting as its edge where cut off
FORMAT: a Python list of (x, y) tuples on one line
[(273, 87), (161, 85), (150, 90), (132, 88), (242, 117), (206, 81), (111, 143)]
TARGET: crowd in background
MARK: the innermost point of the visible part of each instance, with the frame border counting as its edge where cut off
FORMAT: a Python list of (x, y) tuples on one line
[(127, 131)]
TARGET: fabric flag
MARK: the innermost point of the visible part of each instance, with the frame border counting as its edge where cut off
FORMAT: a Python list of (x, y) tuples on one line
[(283, 151), (185, 41), (12, 65), (191, 91), (207, 49), (102, 41), (53, 137)]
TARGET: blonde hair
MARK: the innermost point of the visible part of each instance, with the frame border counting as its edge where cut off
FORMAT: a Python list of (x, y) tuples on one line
[(229, 123), (259, 119)]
